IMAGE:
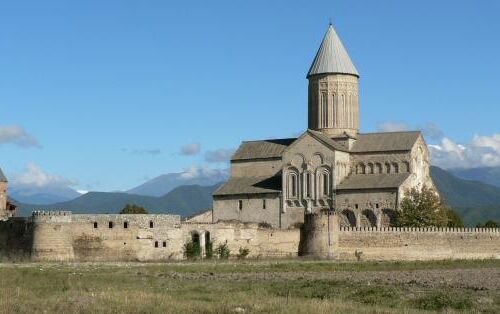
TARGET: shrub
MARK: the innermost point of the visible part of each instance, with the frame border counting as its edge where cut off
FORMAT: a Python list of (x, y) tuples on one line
[(265, 225), (488, 224), (133, 209), (439, 301), (222, 251), (243, 253), (192, 250), (209, 250)]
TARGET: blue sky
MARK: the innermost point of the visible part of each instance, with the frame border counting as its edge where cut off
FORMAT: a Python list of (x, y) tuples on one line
[(103, 95)]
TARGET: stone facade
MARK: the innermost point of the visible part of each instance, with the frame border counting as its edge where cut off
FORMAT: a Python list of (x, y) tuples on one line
[(331, 165), (63, 236), (3, 201)]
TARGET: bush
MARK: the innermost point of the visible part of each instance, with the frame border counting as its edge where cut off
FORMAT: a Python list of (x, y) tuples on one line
[(265, 225), (222, 251), (133, 209), (209, 250), (192, 250), (243, 253), (488, 224), (439, 301)]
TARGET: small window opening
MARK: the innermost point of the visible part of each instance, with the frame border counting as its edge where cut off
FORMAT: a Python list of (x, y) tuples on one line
[(164, 243), (156, 243), (356, 206), (263, 204), (125, 225), (95, 224), (151, 225), (110, 224), (240, 204), (376, 205)]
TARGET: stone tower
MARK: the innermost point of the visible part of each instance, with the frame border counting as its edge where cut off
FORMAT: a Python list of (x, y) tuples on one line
[(3, 197), (333, 89)]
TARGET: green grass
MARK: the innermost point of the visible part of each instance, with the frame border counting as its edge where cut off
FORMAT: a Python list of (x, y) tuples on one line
[(144, 288)]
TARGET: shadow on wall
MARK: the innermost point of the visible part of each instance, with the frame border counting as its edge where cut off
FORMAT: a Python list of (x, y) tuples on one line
[(16, 239)]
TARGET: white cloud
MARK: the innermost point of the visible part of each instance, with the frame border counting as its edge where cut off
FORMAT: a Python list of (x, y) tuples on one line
[(203, 171), (219, 155), (482, 151), (190, 149), (34, 175), (392, 126), (15, 134)]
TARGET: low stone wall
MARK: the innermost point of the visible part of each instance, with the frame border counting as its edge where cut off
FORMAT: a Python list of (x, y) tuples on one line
[(417, 243)]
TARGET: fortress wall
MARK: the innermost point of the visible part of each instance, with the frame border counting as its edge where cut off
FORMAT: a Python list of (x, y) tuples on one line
[(16, 236), (418, 243), (260, 241)]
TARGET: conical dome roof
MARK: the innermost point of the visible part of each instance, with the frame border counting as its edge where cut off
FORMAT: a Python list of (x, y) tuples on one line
[(332, 57)]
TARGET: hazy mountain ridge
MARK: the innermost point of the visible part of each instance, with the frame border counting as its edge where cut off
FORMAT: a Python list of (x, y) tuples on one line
[(489, 175), (183, 200), (474, 201)]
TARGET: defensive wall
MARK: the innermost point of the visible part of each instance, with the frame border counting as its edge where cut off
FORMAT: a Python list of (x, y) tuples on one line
[(63, 236)]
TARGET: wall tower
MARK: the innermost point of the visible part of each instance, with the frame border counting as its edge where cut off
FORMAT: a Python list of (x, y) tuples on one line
[(333, 89)]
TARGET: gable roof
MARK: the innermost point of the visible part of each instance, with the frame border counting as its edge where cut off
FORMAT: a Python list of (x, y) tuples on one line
[(373, 181), (327, 140), (2, 176), (262, 149), (332, 57), (250, 185), (385, 141)]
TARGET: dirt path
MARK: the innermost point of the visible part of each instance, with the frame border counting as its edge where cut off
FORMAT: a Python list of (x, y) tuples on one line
[(477, 279)]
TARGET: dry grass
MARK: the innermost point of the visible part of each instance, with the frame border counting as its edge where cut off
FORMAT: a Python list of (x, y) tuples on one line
[(141, 288)]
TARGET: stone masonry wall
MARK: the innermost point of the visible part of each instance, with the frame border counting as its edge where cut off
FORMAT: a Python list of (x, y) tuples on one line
[(418, 243)]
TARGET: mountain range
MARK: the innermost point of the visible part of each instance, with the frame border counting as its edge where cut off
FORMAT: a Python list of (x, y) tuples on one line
[(183, 200), (475, 201), (490, 175)]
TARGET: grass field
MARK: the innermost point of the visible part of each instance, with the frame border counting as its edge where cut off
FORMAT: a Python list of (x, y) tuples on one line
[(275, 286)]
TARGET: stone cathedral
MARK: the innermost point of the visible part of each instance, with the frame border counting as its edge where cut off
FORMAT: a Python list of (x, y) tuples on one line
[(362, 176)]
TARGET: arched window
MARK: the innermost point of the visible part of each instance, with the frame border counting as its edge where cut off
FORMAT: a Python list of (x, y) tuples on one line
[(378, 168), (395, 167), (156, 243), (406, 166), (324, 113), (370, 168), (326, 184), (347, 218), (368, 218), (343, 111), (292, 185), (308, 184), (361, 168), (387, 168), (110, 224), (151, 224), (125, 224), (95, 224)]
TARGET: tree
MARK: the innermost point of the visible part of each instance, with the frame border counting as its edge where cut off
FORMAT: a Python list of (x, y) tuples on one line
[(454, 220), (422, 208), (133, 209), (488, 224)]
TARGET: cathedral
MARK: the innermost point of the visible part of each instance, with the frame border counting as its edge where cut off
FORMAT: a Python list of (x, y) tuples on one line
[(362, 176)]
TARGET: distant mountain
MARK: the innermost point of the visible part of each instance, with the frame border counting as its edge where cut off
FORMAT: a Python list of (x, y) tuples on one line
[(183, 200), (473, 200), (165, 183), (490, 175), (47, 194)]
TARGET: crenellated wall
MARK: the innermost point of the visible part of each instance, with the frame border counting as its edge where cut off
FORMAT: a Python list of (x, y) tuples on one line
[(62, 236), (418, 243)]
